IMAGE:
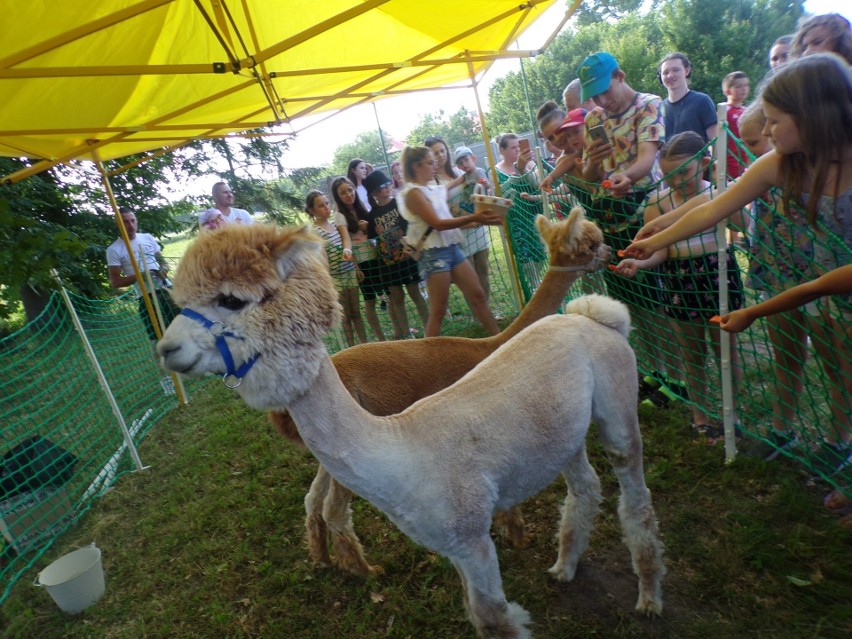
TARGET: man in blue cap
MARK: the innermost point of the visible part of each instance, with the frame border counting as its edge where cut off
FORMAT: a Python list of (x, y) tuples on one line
[(621, 157), (633, 122)]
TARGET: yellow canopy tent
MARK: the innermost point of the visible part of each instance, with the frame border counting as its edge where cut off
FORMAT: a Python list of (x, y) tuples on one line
[(106, 79)]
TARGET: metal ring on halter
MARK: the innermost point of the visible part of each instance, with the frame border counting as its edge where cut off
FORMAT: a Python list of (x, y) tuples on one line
[(225, 378)]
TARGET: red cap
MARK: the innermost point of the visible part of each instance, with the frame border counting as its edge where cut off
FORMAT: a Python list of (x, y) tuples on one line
[(576, 117)]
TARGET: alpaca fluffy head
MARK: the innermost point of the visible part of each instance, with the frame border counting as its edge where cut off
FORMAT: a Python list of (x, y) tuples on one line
[(270, 289), (574, 240)]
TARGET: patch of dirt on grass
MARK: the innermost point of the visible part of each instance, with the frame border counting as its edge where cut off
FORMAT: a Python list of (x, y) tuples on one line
[(604, 593)]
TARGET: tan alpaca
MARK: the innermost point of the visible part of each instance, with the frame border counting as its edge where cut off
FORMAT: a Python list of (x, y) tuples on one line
[(257, 302), (423, 367)]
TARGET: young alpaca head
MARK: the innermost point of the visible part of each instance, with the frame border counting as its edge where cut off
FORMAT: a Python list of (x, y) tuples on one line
[(576, 241), (261, 296)]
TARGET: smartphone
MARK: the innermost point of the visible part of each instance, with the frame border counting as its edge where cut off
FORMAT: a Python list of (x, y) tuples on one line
[(524, 143), (599, 133)]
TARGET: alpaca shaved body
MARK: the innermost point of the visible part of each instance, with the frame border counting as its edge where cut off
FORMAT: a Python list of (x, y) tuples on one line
[(423, 367), (257, 302)]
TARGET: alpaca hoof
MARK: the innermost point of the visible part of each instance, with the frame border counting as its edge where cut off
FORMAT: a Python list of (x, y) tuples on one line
[(360, 569), (650, 607), (561, 572)]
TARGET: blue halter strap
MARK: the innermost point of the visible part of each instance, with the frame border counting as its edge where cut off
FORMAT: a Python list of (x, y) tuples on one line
[(219, 332)]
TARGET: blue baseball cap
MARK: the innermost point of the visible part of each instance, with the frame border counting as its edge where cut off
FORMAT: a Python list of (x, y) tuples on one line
[(595, 73)]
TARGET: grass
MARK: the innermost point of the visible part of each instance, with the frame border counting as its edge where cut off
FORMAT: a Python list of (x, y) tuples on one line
[(209, 543)]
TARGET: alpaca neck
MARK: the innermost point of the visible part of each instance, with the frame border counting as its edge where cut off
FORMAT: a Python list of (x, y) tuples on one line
[(347, 440), (546, 300)]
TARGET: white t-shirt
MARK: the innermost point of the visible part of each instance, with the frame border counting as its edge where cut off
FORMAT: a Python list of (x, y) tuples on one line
[(145, 248), (417, 227), (361, 190), (237, 216)]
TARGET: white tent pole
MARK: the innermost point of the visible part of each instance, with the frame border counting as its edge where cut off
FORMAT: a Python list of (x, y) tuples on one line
[(721, 150), (489, 151)]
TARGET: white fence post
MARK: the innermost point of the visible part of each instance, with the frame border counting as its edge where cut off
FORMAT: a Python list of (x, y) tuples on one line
[(128, 439)]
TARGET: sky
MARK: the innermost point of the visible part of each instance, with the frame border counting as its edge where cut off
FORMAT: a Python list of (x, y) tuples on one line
[(315, 146)]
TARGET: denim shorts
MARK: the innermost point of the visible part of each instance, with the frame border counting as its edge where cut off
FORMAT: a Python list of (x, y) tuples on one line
[(439, 260)]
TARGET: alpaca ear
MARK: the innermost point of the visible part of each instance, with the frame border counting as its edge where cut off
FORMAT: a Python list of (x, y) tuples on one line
[(299, 246), (542, 224)]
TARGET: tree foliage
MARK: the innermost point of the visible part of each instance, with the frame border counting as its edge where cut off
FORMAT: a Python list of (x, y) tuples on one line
[(461, 127), (367, 146), (62, 218)]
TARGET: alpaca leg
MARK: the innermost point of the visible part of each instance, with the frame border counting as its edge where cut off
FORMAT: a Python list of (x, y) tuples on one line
[(513, 525), (639, 524), (582, 502), (317, 531), (623, 444), (491, 615), (347, 546)]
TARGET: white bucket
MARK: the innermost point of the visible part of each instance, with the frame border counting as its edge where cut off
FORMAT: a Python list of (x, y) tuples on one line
[(76, 580)]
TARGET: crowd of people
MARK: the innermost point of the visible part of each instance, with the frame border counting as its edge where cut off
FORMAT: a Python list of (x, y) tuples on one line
[(639, 164)]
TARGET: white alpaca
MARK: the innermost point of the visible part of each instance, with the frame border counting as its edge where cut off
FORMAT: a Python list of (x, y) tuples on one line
[(257, 301), (421, 368)]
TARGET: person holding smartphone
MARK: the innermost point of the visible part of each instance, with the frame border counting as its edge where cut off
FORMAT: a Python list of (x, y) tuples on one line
[(624, 133)]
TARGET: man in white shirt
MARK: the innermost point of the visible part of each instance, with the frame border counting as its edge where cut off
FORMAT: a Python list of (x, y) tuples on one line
[(148, 256), (223, 198)]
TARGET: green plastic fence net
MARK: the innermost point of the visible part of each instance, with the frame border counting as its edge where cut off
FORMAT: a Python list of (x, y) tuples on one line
[(61, 444)]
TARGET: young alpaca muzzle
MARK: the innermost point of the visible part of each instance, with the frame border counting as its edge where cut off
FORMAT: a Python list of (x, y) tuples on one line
[(260, 299), (423, 367)]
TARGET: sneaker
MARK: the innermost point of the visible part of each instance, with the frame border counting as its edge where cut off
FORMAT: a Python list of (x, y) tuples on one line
[(832, 457), (772, 445), (677, 389), (647, 386)]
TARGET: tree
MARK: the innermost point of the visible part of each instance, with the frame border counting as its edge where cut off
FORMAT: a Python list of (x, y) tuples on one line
[(62, 218), (730, 35), (292, 188), (367, 146), (461, 127), (594, 11)]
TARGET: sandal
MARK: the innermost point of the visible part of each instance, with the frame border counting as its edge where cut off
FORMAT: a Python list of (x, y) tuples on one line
[(711, 433)]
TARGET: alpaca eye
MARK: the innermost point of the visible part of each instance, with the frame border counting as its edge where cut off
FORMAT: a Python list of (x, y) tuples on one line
[(231, 303)]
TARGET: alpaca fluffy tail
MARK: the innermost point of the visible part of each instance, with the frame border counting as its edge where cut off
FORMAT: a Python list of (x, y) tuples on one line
[(603, 310)]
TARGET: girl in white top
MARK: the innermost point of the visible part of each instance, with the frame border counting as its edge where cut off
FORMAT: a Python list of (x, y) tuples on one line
[(424, 205), (356, 172)]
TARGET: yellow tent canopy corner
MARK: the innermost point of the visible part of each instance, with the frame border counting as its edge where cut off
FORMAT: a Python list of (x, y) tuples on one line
[(106, 79)]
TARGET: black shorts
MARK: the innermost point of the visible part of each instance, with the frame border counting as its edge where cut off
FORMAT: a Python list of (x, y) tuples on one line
[(372, 285), (401, 273), (691, 286), (168, 308)]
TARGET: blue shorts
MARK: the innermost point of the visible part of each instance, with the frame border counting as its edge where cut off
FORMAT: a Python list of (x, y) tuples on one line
[(439, 260)]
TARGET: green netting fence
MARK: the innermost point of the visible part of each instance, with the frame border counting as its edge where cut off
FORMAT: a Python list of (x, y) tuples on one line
[(66, 432), (792, 372), (71, 422)]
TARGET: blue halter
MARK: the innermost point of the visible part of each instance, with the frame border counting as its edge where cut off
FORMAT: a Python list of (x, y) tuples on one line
[(219, 331)]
